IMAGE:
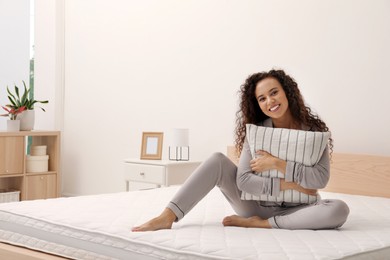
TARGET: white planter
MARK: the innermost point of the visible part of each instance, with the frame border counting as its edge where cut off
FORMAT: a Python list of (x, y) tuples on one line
[(13, 125), (27, 119)]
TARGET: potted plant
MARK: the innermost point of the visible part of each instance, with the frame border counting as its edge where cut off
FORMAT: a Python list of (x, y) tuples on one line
[(13, 125), (27, 117)]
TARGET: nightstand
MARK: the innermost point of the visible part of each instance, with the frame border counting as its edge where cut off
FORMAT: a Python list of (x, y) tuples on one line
[(159, 172)]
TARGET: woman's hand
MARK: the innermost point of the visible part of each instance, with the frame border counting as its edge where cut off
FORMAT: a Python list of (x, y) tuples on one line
[(266, 161), (294, 186)]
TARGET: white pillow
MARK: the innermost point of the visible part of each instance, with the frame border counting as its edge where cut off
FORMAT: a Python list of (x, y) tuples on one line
[(305, 147)]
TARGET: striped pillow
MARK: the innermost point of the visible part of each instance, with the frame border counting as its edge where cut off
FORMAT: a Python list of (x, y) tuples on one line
[(299, 146)]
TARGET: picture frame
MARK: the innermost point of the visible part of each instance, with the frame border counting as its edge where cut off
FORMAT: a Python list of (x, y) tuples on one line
[(151, 148)]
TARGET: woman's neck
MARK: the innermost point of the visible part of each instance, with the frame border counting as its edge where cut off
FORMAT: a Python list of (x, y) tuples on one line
[(285, 122)]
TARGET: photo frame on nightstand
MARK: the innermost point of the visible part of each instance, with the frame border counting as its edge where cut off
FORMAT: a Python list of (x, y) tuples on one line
[(151, 148)]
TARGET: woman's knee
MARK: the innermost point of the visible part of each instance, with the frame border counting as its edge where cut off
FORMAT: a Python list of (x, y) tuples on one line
[(218, 156), (339, 212), (342, 208), (222, 166), (219, 159)]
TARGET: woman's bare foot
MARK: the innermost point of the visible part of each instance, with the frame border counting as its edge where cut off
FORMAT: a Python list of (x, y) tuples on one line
[(238, 221), (164, 221)]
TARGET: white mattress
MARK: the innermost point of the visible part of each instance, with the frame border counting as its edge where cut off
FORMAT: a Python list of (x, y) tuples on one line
[(98, 227)]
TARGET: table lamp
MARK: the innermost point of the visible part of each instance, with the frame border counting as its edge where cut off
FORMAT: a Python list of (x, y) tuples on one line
[(179, 149)]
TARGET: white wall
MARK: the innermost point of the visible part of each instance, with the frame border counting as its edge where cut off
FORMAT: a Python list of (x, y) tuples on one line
[(134, 66), (45, 62), (14, 49)]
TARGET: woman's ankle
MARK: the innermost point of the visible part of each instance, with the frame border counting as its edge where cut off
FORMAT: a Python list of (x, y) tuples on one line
[(169, 215)]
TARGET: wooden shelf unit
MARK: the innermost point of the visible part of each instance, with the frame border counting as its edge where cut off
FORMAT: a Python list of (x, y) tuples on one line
[(13, 157)]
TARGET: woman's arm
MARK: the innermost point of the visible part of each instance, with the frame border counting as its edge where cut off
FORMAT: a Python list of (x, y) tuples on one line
[(265, 161), (311, 177), (252, 183), (294, 186)]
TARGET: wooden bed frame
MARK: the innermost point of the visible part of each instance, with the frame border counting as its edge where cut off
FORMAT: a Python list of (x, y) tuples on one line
[(350, 173), (8, 251), (359, 174)]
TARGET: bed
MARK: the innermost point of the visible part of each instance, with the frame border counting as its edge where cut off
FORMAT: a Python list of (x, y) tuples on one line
[(98, 226)]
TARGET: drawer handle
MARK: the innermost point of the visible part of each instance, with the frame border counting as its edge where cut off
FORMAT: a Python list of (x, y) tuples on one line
[(142, 173)]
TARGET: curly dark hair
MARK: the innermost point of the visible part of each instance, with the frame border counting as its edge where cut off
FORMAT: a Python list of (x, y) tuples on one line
[(250, 112)]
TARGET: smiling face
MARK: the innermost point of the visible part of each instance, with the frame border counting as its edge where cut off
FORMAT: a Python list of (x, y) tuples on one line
[(273, 101)]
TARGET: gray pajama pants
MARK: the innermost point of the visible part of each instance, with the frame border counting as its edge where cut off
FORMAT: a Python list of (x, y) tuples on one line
[(219, 171)]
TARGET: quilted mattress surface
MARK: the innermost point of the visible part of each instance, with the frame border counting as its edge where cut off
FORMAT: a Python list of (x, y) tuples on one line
[(98, 227)]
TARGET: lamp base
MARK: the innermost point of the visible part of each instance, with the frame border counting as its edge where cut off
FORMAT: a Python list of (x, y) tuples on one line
[(178, 154)]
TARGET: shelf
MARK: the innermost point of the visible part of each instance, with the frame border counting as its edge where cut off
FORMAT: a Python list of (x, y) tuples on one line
[(13, 164), (30, 133), (11, 175), (40, 173)]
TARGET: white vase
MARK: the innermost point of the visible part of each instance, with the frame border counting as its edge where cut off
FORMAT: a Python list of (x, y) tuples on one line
[(27, 119), (13, 125)]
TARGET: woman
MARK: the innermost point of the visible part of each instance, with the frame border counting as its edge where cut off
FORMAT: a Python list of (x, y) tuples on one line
[(271, 99)]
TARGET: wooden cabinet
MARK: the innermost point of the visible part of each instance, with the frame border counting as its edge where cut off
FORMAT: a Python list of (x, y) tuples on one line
[(11, 154), (41, 186), (14, 148)]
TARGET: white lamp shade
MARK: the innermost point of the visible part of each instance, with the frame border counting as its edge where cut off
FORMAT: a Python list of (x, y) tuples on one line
[(179, 137)]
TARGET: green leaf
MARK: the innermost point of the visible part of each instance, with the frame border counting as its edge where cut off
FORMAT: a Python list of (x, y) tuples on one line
[(11, 97), (30, 104), (25, 100), (17, 92), (24, 97), (12, 102)]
